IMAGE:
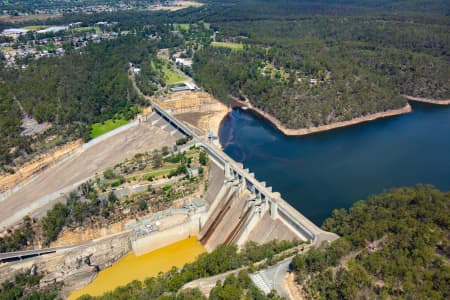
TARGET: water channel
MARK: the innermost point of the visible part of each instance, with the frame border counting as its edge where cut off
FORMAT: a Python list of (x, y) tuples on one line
[(320, 172)]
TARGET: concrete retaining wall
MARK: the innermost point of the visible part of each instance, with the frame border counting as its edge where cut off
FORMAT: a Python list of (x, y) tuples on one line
[(167, 237)]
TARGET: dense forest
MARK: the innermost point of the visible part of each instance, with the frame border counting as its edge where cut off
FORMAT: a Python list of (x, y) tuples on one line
[(76, 90), (318, 70), (393, 245)]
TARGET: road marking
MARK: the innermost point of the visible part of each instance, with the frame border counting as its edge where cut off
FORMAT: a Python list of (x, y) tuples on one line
[(260, 282)]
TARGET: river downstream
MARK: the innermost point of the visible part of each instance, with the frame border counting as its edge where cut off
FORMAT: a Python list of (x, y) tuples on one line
[(328, 170), (132, 267)]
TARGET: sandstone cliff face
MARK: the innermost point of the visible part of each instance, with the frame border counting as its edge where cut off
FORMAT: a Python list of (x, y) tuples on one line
[(75, 268)]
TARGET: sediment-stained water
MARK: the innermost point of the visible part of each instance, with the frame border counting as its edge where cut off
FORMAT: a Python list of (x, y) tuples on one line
[(133, 267), (333, 169)]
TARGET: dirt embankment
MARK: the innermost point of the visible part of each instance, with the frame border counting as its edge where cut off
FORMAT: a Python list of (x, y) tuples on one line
[(428, 100), (39, 163), (81, 235), (305, 131), (199, 109), (294, 290)]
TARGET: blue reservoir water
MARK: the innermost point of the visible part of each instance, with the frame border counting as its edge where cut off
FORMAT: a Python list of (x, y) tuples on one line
[(333, 169)]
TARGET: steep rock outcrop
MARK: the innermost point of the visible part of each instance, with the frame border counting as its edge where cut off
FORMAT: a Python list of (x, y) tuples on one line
[(75, 268)]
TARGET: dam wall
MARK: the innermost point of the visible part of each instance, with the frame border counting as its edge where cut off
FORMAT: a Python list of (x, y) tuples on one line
[(278, 207), (272, 201), (160, 239)]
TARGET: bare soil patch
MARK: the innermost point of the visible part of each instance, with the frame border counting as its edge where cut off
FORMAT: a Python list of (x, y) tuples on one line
[(177, 5), (199, 109)]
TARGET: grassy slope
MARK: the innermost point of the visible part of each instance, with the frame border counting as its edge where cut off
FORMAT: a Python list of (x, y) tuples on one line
[(171, 76), (98, 129), (233, 46), (35, 27)]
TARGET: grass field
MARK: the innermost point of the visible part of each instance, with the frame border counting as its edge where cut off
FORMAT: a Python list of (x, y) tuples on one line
[(164, 171), (35, 27), (184, 27), (84, 29), (233, 46), (171, 76), (98, 129)]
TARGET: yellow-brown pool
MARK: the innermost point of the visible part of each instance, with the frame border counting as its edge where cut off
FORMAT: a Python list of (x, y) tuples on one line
[(133, 267)]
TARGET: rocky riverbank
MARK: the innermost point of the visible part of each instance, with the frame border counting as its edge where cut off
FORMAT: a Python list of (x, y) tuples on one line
[(305, 131), (428, 100)]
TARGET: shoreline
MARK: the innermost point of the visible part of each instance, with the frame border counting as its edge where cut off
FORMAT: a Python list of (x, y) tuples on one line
[(427, 100), (305, 131), (215, 118)]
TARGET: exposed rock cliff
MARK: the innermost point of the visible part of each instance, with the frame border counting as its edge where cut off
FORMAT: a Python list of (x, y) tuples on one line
[(75, 268)]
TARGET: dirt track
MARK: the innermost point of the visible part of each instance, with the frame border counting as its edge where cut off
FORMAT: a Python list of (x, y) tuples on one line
[(81, 166)]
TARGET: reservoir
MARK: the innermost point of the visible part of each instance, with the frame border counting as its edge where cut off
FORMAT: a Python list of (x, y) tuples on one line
[(132, 267), (333, 169)]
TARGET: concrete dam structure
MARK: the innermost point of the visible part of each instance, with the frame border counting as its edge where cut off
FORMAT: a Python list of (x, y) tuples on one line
[(242, 208)]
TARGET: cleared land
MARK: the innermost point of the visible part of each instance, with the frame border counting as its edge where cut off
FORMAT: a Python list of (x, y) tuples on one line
[(233, 46), (176, 5), (35, 27), (102, 128), (171, 76), (184, 27), (199, 109), (81, 166), (85, 29)]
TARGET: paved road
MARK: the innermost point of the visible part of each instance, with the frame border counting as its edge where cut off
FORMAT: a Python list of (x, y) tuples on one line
[(207, 284), (79, 167), (273, 278), (18, 255)]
